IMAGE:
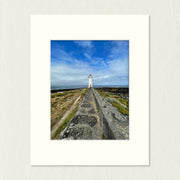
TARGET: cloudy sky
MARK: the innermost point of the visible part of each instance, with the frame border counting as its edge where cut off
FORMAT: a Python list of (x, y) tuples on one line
[(73, 61)]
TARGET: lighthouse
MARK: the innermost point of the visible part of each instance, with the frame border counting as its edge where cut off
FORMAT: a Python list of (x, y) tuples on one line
[(90, 80)]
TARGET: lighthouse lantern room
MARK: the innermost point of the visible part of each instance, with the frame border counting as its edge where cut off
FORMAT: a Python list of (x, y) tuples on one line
[(90, 80)]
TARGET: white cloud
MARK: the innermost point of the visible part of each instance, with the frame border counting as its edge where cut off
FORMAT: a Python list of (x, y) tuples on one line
[(84, 44), (119, 66), (61, 55), (77, 74), (87, 55), (63, 74), (119, 48), (67, 70)]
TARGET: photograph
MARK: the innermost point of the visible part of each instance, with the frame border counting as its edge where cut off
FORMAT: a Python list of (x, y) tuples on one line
[(89, 89)]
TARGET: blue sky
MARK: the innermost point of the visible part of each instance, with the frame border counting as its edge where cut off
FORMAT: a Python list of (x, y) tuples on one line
[(73, 61)]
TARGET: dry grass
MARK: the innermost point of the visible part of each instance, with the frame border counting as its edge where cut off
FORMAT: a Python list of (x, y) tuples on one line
[(61, 102)]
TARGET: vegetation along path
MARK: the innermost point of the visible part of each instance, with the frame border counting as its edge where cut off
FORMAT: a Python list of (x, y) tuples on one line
[(61, 121)]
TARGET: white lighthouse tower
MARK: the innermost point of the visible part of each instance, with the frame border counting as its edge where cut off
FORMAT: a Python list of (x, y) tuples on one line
[(90, 80)]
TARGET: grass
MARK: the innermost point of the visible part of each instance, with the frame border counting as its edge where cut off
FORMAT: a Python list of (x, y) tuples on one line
[(57, 95), (83, 93), (119, 107), (105, 94), (62, 127), (124, 101), (60, 103)]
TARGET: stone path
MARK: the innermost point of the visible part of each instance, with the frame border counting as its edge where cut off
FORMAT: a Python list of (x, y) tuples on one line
[(86, 123)]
